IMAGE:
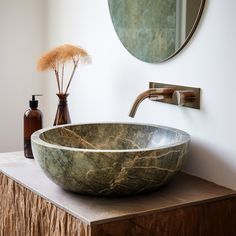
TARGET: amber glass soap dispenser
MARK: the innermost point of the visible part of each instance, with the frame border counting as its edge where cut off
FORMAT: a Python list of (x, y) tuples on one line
[(33, 121)]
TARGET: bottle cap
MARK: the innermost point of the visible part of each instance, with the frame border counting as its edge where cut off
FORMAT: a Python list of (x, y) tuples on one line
[(34, 103)]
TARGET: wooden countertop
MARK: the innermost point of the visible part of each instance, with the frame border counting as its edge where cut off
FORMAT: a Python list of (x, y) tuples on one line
[(183, 190)]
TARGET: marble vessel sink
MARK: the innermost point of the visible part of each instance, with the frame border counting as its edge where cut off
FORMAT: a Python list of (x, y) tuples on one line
[(110, 158)]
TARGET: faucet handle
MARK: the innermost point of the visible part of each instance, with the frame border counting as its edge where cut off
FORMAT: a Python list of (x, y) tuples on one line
[(157, 94), (181, 97)]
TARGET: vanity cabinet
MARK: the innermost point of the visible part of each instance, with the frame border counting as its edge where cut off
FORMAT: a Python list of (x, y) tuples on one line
[(31, 204)]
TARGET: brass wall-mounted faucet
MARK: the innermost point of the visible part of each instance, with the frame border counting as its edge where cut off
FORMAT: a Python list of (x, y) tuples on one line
[(167, 93)]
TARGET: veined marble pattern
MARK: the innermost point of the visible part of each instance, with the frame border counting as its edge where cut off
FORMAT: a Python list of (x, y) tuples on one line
[(109, 158)]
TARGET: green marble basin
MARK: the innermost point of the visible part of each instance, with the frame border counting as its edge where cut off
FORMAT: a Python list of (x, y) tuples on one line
[(110, 158)]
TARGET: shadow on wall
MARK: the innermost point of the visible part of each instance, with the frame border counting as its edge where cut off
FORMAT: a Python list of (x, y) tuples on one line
[(211, 163)]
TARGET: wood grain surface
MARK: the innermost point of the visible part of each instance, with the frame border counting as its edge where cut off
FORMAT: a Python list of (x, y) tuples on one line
[(209, 219), (24, 213)]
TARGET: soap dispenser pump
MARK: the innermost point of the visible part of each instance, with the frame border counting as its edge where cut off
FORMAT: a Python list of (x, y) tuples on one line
[(33, 121)]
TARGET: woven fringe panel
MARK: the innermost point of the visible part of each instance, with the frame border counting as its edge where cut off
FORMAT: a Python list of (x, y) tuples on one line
[(24, 213)]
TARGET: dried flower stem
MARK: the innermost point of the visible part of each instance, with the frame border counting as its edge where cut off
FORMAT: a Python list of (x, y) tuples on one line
[(62, 76), (72, 74), (58, 82)]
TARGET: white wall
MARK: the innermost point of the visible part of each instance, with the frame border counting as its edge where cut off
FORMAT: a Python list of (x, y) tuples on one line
[(106, 90), (21, 43)]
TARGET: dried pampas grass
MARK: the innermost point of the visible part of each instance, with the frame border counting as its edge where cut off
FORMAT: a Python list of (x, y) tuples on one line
[(56, 59)]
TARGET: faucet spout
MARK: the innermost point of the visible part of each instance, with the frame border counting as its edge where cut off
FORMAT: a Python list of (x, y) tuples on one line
[(137, 102), (157, 93)]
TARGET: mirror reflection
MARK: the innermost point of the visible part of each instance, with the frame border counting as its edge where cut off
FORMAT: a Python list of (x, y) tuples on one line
[(155, 30)]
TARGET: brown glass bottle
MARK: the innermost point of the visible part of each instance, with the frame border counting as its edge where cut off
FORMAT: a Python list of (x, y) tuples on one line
[(32, 122)]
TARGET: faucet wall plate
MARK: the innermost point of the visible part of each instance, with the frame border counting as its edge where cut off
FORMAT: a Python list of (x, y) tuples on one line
[(192, 103)]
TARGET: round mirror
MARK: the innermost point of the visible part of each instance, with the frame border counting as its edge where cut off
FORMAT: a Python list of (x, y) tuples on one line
[(155, 30)]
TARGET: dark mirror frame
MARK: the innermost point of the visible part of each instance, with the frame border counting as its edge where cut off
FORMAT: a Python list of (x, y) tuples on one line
[(195, 25)]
